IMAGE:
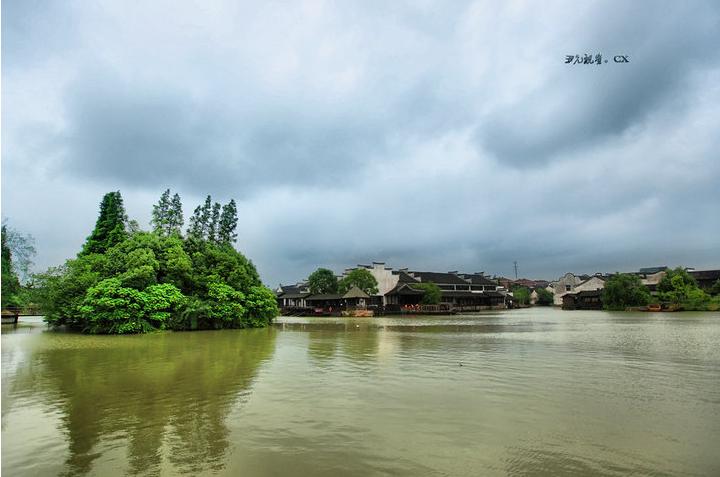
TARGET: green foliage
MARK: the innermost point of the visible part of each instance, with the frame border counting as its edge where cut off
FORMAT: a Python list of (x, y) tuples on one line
[(361, 278), (10, 282), (22, 250), (545, 297), (322, 280), (228, 223), (167, 215), (214, 223), (715, 289), (433, 293), (156, 280), (624, 290), (678, 287), (521, 295), (110, 227), (261, 306)]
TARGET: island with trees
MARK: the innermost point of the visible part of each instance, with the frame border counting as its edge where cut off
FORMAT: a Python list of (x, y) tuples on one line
[(126, 280)]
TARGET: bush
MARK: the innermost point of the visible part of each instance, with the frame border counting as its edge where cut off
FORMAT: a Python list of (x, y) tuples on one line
[(624, 290)]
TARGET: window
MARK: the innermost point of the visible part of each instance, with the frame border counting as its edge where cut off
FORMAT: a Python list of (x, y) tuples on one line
[(567, 287)]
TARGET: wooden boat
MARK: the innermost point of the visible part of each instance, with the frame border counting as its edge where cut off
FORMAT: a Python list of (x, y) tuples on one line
[(654, 307)]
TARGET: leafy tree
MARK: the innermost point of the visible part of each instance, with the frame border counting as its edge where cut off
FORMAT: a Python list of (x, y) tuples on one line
[(433, 293), (176, 220), (10, 282), (167, 215), (206, 217), (156, 280), (261, 306), (214, 224), (676, 280), (361, 278), (521, 295), (228, 223), (545, 297), (715, 289), (678, 287), (161, 214), (110, 227), (195, 228), (322, 280), (22, 249), (624, 290)]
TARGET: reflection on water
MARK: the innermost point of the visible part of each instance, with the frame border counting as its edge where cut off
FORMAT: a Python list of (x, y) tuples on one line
[(164, 396), (522, 393)]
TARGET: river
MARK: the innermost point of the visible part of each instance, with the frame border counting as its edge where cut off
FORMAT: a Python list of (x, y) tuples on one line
[(519, 392)]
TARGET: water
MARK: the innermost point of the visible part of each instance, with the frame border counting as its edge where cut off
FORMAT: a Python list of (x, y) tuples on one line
[(521, 392)]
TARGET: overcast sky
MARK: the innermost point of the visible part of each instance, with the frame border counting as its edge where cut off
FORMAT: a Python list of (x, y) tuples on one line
[(429, 135)]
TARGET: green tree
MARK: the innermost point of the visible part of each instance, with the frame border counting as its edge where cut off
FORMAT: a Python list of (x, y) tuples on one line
[(715, 289), (156, 280), (195, 228), (361, 278), (161, 214), (206, 217), (10, 281), (545, 297), (110, 226), (678, 287), (676, 280), (176, 220), (228, 223), (213, 226), (22, 249), (624, 290), (521, 295), (433, 293), (322, 280)]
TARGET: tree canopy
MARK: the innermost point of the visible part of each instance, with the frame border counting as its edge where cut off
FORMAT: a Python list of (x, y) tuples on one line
[(322, 280), (433, 293), (156, 280), (545, 297), (10, 282), (214, 223), (680, 288), (624, 290), (361, 278), (521, 295), (110, 226)]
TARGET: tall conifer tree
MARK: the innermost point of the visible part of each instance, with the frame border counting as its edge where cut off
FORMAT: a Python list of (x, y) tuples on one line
[(110, 226), (228, 223), (161, 214)]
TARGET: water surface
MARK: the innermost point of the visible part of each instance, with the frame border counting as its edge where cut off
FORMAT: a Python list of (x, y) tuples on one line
[(520, 392)]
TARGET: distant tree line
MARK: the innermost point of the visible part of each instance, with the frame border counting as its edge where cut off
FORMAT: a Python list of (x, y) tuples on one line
[(125, 280), (677, 288)]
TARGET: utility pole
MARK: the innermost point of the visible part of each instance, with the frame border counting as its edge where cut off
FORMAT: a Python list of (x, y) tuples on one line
[(515, 264)]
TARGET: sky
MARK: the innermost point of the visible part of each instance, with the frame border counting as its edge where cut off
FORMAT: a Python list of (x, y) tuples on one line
[(432, 135)]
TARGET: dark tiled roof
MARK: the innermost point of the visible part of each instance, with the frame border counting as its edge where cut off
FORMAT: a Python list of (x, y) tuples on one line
[(460, 293), (294, 295), (324, 296), (652, 270), (585, 293), (705, 274), (355, 292), (403, 277), (404, 289), (480, 280), (440, 278)]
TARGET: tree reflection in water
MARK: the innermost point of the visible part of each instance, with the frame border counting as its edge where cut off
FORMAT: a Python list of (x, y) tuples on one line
[(167, 395)]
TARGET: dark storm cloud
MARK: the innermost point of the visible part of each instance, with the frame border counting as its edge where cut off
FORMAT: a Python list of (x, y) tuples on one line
[(422, 134)]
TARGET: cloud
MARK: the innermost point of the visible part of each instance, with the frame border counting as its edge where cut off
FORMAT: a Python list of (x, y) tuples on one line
[(424, 134)]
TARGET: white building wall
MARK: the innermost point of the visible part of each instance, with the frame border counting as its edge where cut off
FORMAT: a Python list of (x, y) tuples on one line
[(384, 276)]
